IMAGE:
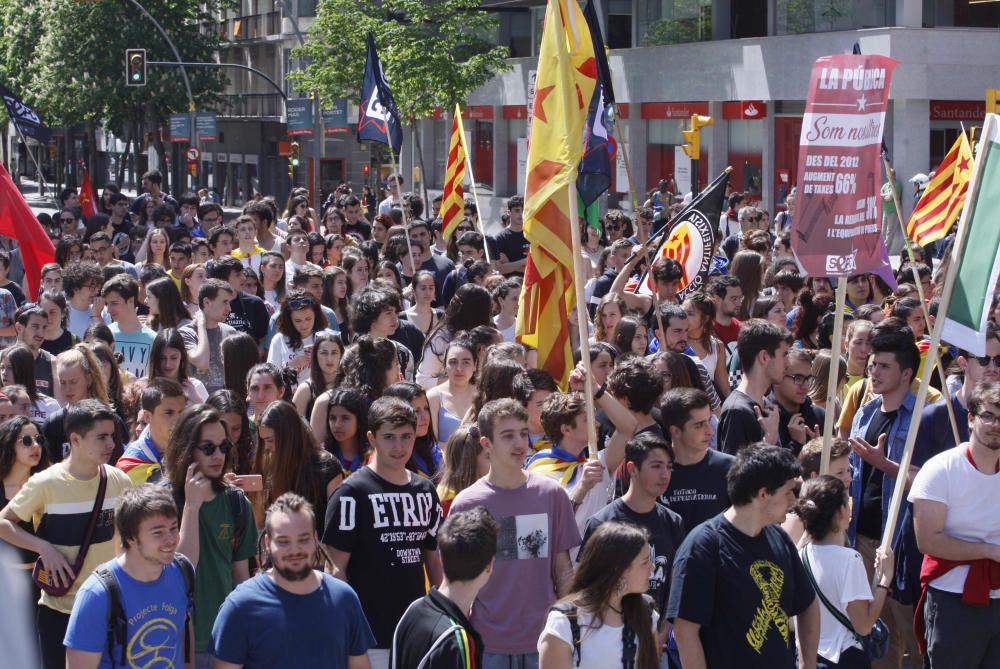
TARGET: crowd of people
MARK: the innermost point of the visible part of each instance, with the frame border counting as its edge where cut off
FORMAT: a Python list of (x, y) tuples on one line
[(310, 438)]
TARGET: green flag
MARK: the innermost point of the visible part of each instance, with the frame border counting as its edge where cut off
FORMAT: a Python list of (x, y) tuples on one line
[(979, 262)]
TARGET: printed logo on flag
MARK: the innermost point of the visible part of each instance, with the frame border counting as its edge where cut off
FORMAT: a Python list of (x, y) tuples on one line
[(838, 265), (21, 111), (690, 244)]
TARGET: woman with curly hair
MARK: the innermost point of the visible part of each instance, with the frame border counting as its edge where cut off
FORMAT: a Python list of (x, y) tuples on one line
[(22, 454), (369, 365), (805, 325)]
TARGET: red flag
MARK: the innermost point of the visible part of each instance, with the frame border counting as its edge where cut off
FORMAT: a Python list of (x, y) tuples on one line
[(17, 221), (88, 201)]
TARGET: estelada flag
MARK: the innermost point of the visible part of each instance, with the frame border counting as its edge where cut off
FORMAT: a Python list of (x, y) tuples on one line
[(453, 198), (88, 201), (939, 205), (564, 85), (17, 221), (690, 239), (378, 120)]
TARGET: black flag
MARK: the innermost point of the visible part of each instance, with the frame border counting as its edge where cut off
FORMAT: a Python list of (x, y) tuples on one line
[(379, 119), (24, 117), (690, 238), (595, 165)]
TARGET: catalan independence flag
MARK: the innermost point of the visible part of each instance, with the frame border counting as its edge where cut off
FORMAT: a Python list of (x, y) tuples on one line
[(939, 205), (453, 198), (564, 86)]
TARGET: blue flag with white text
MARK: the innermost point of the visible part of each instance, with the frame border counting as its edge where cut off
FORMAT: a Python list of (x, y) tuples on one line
[(594, 172), (378, 120), (24, 117)]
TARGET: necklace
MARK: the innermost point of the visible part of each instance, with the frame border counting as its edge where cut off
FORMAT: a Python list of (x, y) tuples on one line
[(618, 611)]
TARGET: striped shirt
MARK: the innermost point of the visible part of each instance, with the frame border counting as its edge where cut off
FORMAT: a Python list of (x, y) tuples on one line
[(59, 506)]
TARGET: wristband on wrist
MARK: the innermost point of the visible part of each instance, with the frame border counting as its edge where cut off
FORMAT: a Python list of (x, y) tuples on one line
[(600, 391)]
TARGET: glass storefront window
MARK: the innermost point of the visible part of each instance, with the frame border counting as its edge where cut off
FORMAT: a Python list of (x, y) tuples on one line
[(674, 22), (812, 16), (746, 146)]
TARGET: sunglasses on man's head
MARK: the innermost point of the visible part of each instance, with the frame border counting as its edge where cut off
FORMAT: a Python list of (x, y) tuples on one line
[(209, 449)]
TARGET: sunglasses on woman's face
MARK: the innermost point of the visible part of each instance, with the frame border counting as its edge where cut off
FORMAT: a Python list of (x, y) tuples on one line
[(28, 440), (209, 449)]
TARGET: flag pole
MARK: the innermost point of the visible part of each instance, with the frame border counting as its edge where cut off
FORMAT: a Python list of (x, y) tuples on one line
[(831, 386), (402, 207), (582, 318), (41, 175), (932, 354), (475, 191), (628, 165), (904, 464)]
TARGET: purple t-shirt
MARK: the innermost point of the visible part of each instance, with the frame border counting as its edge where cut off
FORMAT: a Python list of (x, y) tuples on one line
[(536, 522)]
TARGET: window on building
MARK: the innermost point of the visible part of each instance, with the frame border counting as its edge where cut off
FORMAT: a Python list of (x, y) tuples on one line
[(674, 22), (748, 18), (815, 16), (619, 25), (961, 13), (307, 7), (519, 25)]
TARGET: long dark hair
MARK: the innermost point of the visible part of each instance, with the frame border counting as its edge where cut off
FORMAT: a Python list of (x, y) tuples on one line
[(184, 439), (168, 302), (225, 401), (294, 301), (472, 305), (495, 380), (624, 333), (354, 402), (605, 558), (422, 446), (22, 367), (239, 354), (316, 380), (10, 430), (168, 338)]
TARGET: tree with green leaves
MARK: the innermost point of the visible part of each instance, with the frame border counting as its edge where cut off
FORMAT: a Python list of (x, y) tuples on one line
[(435, 52), (68, 60)]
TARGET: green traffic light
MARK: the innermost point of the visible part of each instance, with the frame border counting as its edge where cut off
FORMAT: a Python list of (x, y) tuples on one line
[(295, 162)]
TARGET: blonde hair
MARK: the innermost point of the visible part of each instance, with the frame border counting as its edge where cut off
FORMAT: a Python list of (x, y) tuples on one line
[(81, 356)]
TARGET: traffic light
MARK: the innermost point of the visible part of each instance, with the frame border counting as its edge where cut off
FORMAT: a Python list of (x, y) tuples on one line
[(992, 101), (135, 67), (692, 136), (295, 155)]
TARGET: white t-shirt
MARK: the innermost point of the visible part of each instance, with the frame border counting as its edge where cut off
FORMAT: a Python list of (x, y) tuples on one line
[(600, 648), (971, 497), (292, 267), (841, 576), (43, 408), (281, 353)]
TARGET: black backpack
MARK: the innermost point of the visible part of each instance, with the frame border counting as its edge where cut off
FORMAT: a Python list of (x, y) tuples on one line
[(118, 624)]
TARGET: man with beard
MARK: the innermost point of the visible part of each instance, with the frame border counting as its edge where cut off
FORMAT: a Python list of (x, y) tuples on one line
[(960, 542), (291, 615), (675, 338)]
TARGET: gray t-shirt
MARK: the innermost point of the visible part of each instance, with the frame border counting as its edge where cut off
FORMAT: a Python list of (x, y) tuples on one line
[(536, 522), (215, 378)]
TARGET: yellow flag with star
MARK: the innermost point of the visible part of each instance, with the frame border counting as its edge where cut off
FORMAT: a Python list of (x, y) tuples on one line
[(564, 85)]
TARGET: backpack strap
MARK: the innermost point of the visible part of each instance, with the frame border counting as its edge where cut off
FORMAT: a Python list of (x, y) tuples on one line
[(569, 610), (834, 611), (238, 509), (117, 625), (187, 570)]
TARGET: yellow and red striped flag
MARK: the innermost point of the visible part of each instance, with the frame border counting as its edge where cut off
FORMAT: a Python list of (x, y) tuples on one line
[(453, 198), (939, 205), (564, 85)]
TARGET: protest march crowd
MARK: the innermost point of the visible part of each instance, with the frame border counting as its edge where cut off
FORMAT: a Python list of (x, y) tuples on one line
[(311, 439)]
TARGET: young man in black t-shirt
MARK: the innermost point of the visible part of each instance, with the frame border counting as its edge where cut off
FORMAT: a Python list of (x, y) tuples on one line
[(746, 417), (248, 313), (509, 247), (737, 579), (799, 420), (648, 459), (697, 488), (388, 517)]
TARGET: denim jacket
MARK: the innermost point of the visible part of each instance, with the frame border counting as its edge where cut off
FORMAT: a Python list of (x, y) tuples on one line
[(895, 443)]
